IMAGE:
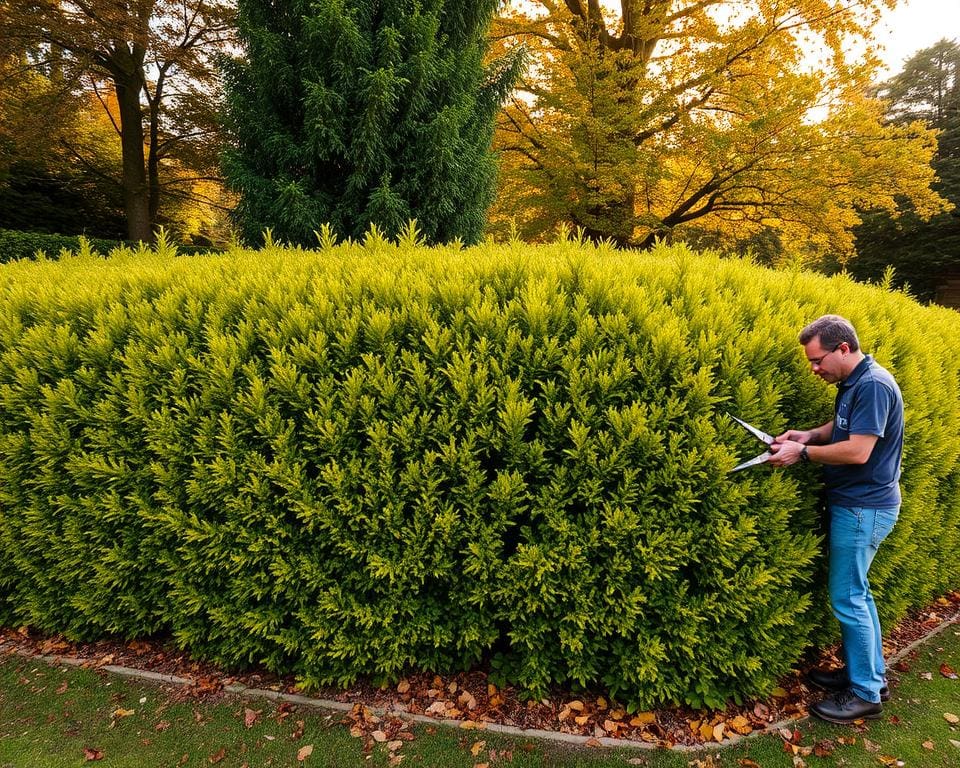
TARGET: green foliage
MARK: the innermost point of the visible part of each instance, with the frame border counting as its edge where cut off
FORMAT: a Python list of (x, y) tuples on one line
[(353, 112), (16, 245), (377, 457)]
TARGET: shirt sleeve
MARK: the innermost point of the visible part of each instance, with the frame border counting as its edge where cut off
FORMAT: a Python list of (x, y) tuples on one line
[(871, 410)]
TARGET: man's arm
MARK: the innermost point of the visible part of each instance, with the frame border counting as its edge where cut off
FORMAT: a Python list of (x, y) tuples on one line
[(856, 450)]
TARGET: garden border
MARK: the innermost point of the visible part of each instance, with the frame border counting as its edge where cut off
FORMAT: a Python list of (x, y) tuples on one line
[(399, 710)]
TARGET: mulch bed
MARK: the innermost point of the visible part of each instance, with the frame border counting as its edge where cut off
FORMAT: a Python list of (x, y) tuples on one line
[(471, 698)]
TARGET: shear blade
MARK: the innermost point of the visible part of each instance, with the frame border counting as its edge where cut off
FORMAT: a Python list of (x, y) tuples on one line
[(762, 458), (762, 436)]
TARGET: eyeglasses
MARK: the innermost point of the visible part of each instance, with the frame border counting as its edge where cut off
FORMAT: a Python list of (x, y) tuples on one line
[(817, 360)]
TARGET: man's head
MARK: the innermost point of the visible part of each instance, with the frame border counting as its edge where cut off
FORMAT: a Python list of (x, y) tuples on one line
[(832, 347)]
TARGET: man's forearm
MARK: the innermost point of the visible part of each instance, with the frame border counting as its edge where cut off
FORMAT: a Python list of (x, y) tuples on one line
[(822, 434), (855, 450)]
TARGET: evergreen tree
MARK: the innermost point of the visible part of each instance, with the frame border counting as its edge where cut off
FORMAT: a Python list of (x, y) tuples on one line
[(352, 112), (927, 90)]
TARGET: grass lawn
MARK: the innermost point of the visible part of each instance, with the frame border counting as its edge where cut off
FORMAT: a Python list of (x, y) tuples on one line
[(58, 716)]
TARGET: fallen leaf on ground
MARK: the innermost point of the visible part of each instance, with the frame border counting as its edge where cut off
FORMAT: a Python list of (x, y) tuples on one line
[(403, 686), (947, 672), (740, 724), (870, 746), (298, 731), (89, 753), (592, 743), (927, 675), (477, 747), (123, 712), (216, 757), (162, 725), (929, 745), (643, 718), (304, 752), (951, 718), (746, 762), (824, 748), (955, 743), (393, 746), (63, 687), (250, 716)]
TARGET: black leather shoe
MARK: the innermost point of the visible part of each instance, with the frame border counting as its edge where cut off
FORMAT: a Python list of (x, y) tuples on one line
[(846, 707), (837, 680)]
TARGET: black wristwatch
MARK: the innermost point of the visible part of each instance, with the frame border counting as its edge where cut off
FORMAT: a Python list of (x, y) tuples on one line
[(804, 456)]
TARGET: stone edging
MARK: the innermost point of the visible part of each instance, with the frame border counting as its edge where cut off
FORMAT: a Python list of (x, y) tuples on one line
[(400, 710)]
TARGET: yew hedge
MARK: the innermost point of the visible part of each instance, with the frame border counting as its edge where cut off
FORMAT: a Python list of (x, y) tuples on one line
[(374, 458)]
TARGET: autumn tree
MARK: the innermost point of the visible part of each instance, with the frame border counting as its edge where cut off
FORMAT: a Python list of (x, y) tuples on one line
[(153, 60), (352, 112), (647, 119), (56, 152), (927, 90)]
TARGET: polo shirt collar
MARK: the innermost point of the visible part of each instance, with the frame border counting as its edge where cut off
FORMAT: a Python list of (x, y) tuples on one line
[(857, 372)]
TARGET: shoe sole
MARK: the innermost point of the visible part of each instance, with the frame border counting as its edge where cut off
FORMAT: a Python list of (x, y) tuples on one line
[(847, 721)]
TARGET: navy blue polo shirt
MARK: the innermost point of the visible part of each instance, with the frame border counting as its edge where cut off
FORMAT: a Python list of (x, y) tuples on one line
[(868, 403)]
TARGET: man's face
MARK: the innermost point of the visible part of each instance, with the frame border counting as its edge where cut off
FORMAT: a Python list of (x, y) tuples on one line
[(826, 362)]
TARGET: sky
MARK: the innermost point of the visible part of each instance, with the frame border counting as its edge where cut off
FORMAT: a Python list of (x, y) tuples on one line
[(914, 25)]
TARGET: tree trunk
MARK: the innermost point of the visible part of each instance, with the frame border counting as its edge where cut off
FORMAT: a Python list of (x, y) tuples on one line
[(136, 195), (610, 220), (153, 168)]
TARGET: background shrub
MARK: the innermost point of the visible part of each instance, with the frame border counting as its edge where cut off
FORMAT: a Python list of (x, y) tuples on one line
[(16, 245), (373, 458)]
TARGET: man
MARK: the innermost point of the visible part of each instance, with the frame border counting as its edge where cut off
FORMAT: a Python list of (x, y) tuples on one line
[(860, 450)]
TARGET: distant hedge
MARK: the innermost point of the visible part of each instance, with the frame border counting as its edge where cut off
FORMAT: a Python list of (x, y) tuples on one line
[(375, 458), (16, 245)]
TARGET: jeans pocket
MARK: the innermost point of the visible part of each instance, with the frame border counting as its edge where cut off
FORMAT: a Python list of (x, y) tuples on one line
[(883, 522)]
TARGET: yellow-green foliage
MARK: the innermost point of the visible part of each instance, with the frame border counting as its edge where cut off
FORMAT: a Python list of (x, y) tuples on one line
[(373, 458)]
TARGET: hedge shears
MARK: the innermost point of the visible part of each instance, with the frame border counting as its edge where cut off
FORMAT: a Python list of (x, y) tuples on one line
[(763, 437)]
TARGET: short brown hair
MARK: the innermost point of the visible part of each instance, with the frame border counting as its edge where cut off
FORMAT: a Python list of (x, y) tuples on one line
[(833, 331)]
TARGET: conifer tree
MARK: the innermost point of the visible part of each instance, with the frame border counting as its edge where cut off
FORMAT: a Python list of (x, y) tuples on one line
[(359, 112), (920, 249)]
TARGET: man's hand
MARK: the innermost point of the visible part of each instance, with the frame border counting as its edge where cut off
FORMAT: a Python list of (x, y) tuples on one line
[(786, 452), (802, 436)]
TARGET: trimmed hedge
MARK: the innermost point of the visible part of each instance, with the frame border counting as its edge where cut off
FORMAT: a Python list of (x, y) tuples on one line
[(374, 458), (16, 245)]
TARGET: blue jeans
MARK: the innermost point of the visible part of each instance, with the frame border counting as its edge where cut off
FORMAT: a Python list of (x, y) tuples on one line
[(855, 535)]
